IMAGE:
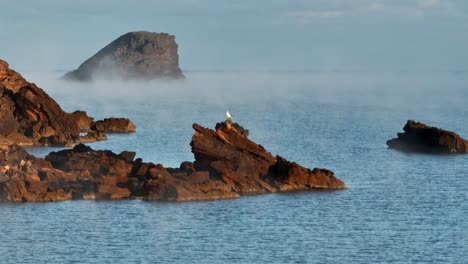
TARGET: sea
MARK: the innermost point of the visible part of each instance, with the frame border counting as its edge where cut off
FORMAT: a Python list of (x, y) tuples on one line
[(397, 208)]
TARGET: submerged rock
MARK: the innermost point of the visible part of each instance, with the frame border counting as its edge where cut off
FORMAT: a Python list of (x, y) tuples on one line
[(135, 55), (227, 165), (418, 137)]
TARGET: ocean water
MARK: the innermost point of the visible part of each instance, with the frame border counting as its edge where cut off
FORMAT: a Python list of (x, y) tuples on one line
[(398, 208)]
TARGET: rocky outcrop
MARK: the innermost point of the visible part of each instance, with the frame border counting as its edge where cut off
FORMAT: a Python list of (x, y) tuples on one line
[(418, 137), (135, 55), (113, 125), (84, 121), (227, 165), (247, 167), (29, 116)]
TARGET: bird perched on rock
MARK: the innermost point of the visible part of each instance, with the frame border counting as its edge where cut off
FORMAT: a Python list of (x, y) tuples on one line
[(229, 116)]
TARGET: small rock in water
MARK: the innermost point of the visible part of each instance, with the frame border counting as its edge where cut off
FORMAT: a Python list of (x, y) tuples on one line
[(418, 137)]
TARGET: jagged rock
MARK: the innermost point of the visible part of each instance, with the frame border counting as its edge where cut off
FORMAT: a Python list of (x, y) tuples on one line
[(114, 125), (290, 176), (29, 116), (83, 120), (26, 178), (240, 129), (227, 165), (107, 172), (10, 79), (229, 155), (135, 55), (418, 137)]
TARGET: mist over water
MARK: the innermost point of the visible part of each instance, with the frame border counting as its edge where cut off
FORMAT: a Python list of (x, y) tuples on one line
[(267, 103), (398, 208), (322, 83)]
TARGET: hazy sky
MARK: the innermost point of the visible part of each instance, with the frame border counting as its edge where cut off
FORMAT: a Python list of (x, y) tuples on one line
[(246, 35)]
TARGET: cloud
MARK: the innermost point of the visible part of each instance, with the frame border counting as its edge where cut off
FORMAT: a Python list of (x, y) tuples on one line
[(376, 7), (317, 14), (428, 3), (399, 9), (410, 9)]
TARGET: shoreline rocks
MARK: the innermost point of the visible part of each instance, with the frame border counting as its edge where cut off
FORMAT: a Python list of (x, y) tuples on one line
[(227, 165), (30, 117), (420, 138), (134, 55), (84, 121)]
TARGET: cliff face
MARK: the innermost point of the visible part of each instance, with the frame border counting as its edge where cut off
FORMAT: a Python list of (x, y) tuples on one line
[(227, 165), (418, 137), (135, 55), (29, 116)]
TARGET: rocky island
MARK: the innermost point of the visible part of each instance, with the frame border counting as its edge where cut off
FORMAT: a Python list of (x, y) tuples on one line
[(135, 55), (419, 137), (29, 116), (227, 165)]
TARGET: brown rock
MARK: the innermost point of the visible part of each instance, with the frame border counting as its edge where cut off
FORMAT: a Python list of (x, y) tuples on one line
[(109, 187), (229, 155), (128, 156), (83, 120), (93, 136), (183, 186), (114, 125), (227, 165), (83, 160), (418, 137), (10, 79), (26, 178), (13, 189), (29, 116), (135, 55), (290, 176)]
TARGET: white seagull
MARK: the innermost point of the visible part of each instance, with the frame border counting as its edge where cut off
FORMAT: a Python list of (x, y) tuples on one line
[(229, 116)]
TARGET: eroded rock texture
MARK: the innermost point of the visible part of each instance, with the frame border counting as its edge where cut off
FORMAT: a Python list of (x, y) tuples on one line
[(227, 165), (29, 116), (247, 167)]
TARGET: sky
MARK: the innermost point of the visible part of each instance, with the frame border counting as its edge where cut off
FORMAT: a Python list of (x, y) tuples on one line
[(245, 35)]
